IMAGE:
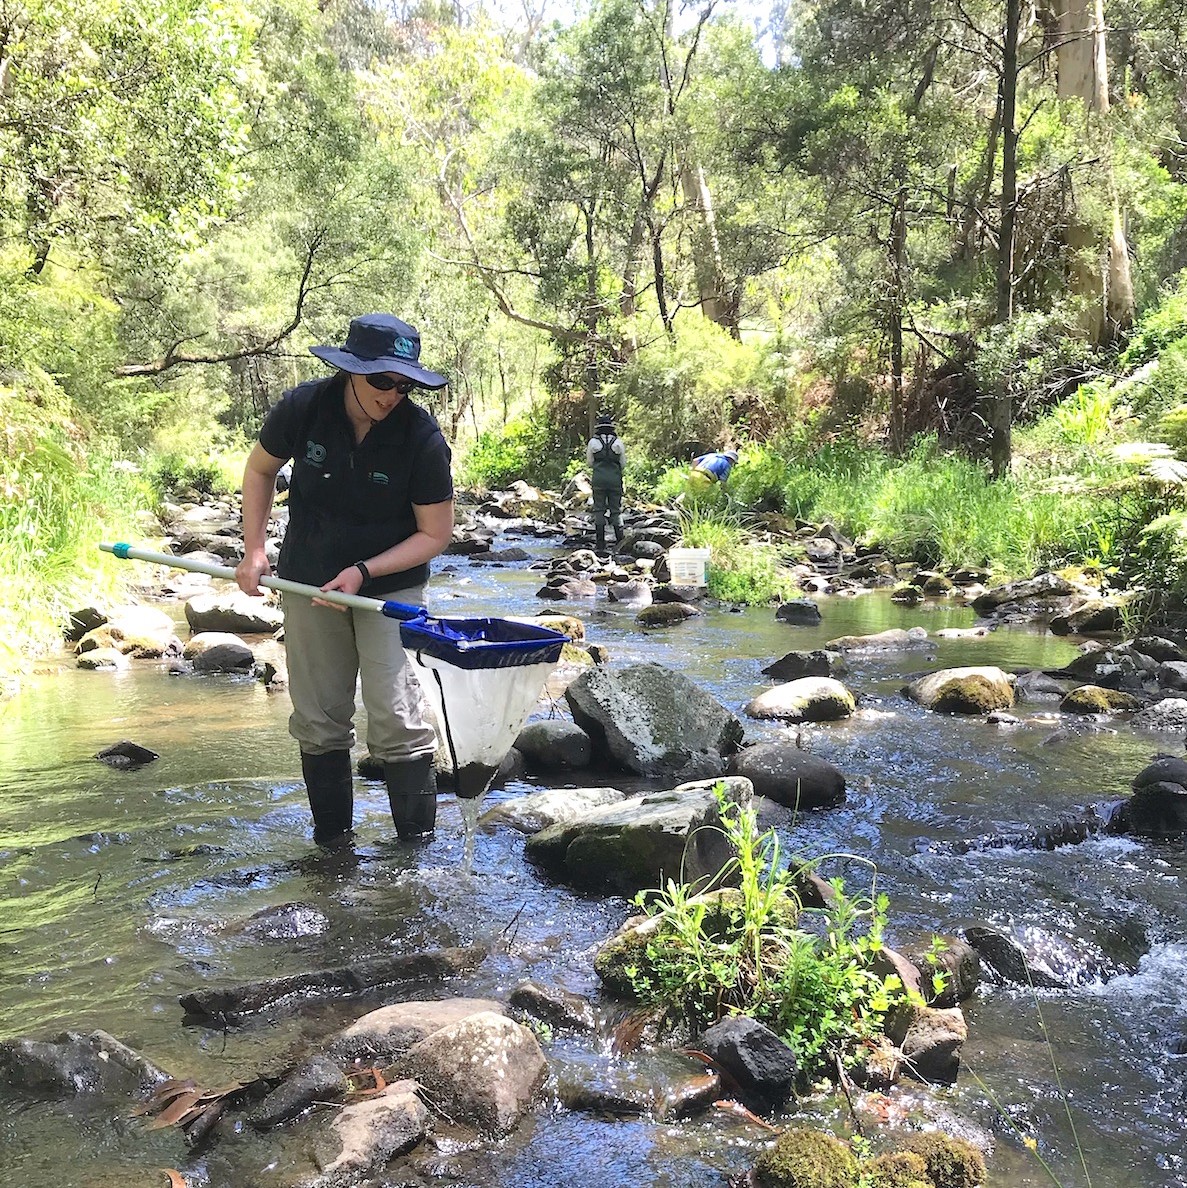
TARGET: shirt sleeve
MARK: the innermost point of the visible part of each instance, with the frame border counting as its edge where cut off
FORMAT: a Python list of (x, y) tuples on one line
[(278, 433), (620, 450), (591, 451), (432, 479)]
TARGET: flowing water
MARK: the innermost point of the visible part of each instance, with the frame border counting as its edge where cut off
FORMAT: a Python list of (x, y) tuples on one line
[(121, 890)]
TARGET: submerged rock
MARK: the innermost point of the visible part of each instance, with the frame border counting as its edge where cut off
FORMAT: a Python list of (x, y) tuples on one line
[(538, 810), (1031, 956), (126, 755), (73, 1063)]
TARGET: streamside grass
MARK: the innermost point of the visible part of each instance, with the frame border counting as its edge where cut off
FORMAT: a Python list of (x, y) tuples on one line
[(742, 569), (59, 500)]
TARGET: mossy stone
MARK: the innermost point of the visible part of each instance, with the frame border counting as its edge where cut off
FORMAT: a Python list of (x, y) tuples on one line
[(898, 1169), (806, 1159), (624, 950), (951, 1162), (973, 694), (1092, 699)]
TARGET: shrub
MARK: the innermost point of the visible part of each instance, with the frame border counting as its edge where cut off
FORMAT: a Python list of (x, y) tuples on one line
[(527, 448), (745, 954), (741, 569), (63, 494)]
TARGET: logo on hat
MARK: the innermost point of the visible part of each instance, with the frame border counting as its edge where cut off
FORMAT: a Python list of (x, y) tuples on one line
[(404, 348)]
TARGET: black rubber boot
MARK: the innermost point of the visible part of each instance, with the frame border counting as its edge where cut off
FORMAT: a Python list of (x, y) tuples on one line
[(600, 540), (412, 794), (329, 784)]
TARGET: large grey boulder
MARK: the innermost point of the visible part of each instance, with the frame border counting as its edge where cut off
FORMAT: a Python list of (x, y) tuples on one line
[(143, 632), (1045, 590), (538, 810), (218, 651), (640, 843), (483, 1071), (891, 640), (554, 744), (974, 690), (651, 720), (1169, 714), (783, 773), (236, 612), (810, 699), (382, 1035), (369, 1133)]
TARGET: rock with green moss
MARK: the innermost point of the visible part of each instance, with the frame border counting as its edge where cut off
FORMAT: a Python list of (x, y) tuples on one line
[(1092, 699), (973, 690), (806, 1159), (897, 1169), (626, 950), (951, 1162)]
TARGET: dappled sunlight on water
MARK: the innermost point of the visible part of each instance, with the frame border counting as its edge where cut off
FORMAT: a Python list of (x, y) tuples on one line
[(121, 890)]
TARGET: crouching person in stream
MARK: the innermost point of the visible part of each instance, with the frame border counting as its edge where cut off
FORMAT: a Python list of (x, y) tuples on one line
[(370, 504)]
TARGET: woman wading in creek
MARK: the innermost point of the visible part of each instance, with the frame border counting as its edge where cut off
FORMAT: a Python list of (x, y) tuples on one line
[(370, 504)]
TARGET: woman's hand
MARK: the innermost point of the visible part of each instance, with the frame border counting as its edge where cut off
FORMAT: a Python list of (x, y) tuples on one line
[(349, 581), (249, 571)]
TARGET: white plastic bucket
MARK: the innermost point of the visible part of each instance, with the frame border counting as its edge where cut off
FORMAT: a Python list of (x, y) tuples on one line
[(686, 567)]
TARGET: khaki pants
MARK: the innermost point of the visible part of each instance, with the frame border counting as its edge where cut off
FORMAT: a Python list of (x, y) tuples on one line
[(328, 651)]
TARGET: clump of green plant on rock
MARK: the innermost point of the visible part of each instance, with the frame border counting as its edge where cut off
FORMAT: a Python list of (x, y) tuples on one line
[(748, 947)]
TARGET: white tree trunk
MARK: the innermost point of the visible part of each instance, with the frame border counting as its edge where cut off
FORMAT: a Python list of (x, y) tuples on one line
[(1100, 272)]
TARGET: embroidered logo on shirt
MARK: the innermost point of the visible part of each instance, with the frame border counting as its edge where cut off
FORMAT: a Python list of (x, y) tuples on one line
[(377, 476), (315, 453)]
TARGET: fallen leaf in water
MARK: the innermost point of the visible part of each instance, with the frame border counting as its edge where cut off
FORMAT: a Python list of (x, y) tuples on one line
[(358, 1092), (166, 1091), (735, 1107), (176, 1179), (174, 1113)]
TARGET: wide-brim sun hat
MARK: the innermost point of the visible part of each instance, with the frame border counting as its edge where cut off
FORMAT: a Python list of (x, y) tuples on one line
[(379, 342)]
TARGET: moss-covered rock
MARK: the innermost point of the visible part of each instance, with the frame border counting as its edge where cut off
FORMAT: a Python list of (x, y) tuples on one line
[(951, 1162), (1092, 699), (898, 1169), (972, 690), (804, 1158)]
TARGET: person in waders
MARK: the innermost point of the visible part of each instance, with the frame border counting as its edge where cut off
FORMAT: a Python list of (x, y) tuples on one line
[(370, 504), (606, 456)]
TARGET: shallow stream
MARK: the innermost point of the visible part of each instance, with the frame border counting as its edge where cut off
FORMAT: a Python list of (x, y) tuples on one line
[(120, 890)]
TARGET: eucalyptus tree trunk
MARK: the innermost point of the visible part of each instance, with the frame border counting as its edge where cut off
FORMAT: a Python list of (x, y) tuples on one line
[(1002, 407), (628, 301), (1098, 272), (706, 247)]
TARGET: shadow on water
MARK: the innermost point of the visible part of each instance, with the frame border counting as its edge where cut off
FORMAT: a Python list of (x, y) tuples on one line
[(121, 890)]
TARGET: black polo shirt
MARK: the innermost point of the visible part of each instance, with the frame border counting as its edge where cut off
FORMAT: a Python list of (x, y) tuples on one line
[(350, 502)]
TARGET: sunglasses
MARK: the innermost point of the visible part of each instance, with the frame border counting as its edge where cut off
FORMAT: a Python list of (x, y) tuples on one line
[(385, 383)]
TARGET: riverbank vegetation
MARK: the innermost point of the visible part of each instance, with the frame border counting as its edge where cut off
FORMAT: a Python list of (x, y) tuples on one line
[(925, 270)]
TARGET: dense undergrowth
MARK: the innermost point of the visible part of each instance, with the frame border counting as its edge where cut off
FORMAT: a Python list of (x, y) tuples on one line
[(63, 491)]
